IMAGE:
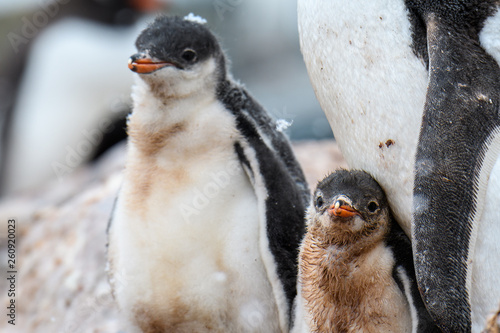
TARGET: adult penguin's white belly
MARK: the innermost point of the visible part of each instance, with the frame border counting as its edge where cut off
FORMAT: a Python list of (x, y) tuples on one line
[(373, 88)]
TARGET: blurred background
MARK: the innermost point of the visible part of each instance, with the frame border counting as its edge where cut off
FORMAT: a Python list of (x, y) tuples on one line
[(65, 85)]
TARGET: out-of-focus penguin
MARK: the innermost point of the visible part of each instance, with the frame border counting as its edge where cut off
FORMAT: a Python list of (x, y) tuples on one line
[(412, 92), (355, 263), (207, 225), (59, 106)]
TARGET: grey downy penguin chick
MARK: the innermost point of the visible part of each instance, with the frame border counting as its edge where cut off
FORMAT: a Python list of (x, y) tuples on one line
[(356, 269), (206, 229)]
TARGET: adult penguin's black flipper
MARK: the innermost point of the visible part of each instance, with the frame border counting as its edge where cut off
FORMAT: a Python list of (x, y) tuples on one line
[(458, 145)]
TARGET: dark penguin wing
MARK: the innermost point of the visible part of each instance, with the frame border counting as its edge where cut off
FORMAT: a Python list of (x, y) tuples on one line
[(458, 146), (404, 275), (280, 187)]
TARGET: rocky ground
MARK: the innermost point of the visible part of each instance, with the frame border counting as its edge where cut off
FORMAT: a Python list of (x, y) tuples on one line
[(61, 284)]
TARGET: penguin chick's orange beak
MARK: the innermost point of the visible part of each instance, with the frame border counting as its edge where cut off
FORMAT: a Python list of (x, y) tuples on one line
[(146, 65), (342, 210)]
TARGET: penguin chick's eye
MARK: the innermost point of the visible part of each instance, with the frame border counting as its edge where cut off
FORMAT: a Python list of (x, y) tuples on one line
[(188, 55), (372, 206), (319, 201)]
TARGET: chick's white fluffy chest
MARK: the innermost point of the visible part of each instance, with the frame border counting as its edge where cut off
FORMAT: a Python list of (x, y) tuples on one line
[(185, 229)]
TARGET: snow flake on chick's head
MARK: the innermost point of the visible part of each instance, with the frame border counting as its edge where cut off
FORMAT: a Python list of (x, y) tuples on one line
[(195, 18)]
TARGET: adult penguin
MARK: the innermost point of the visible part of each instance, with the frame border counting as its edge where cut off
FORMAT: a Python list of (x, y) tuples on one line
[(412, 92), (52, 91)]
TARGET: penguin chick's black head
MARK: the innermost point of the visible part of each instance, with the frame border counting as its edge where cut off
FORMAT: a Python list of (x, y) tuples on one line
[(349, 206), (171, 41)]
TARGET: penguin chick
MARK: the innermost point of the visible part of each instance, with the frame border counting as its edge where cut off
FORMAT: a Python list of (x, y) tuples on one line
[(356, 271), (207, 226), (493, 323)]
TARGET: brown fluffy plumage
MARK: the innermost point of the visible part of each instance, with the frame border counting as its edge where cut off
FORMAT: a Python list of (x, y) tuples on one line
[(345, 267)]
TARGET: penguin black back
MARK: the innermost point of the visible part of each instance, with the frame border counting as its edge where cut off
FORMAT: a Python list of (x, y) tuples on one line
[(453, 155)]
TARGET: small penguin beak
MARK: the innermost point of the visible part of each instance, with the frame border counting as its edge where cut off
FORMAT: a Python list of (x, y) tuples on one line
[(341, 209), (139, 63)]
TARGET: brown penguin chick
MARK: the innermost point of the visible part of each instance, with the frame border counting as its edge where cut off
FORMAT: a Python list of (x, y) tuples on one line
[(355, 263), (493, 323)]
